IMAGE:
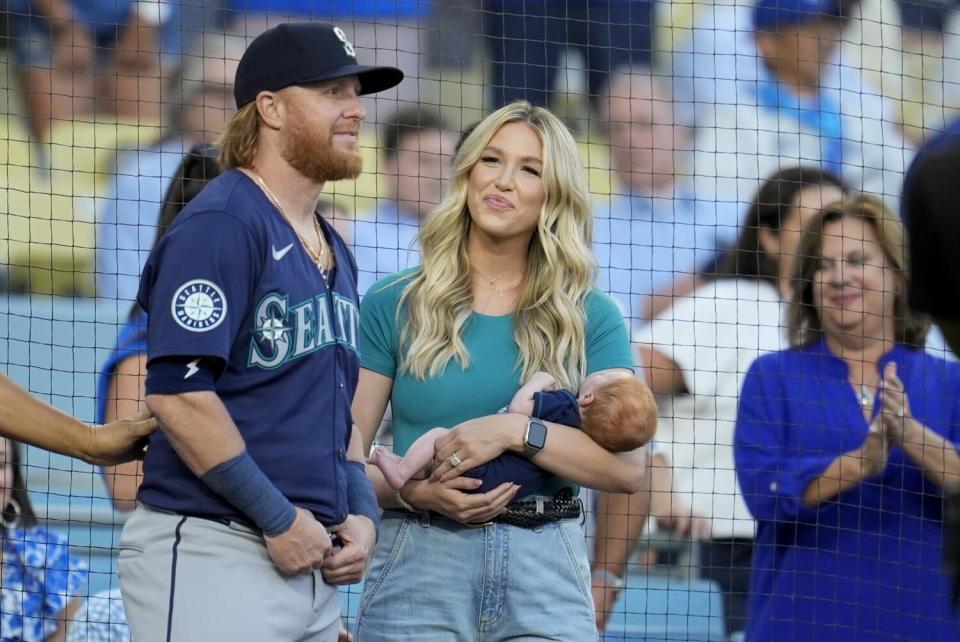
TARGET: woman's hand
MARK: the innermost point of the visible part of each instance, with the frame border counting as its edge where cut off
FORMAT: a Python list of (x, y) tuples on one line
[(895, 409), (451, 499), (476, 442)]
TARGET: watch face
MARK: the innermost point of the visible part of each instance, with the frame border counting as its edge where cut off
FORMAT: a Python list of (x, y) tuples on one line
[(536, 434)]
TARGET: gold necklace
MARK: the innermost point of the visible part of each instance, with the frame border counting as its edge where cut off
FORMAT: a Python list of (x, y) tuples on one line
[(497, 290), (319, 258)]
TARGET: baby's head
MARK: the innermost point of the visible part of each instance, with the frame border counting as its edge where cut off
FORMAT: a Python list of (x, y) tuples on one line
[(618, 410)]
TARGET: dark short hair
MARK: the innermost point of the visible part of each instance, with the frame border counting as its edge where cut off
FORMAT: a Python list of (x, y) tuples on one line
[(404, 122), (769, 210), (803, 319), (18, 491)]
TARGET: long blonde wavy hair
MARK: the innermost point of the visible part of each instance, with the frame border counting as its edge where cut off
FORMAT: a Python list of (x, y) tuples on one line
[(549, 319)]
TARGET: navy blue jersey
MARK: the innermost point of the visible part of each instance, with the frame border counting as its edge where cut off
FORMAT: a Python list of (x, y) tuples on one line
[(231, 281), (558, 406)]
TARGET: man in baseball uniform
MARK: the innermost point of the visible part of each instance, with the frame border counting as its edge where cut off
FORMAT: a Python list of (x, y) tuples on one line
[(252, 363)]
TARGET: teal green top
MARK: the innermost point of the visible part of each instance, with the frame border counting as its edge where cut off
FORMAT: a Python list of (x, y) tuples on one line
[(492, 378)]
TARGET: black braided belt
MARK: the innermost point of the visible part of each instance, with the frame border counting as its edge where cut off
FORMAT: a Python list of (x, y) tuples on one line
[(533, 513)]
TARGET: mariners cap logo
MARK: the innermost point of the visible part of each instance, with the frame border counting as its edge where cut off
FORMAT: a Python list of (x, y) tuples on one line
[(347, 45), (198, 306)]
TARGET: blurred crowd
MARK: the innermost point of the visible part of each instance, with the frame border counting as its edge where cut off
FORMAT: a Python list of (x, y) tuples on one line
[(712, 135)]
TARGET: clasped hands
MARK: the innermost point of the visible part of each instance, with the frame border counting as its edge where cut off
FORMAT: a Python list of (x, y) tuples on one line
[(890, 425), (447, 491)]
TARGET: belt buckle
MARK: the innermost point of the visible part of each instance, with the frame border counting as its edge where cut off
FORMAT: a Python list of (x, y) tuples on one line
[(480, 525)]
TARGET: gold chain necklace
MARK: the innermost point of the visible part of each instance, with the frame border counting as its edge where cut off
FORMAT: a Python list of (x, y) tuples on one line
[(497, 290), (319, 258)]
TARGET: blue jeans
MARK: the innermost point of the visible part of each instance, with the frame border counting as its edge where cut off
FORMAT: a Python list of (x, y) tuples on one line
[(433, 579)]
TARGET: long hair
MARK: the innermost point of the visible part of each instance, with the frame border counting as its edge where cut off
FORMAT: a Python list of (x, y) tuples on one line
[(198, 167), (769, 210), (18, 490), (239, 140), (803, 319), (561, 270)]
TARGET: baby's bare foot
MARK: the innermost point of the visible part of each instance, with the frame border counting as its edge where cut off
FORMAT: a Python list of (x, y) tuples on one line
[(389, 464)]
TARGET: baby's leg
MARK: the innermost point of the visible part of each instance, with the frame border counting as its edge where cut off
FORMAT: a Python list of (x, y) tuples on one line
[(399, 470)]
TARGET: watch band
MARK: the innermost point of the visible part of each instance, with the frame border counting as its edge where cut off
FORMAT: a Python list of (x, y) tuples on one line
[(604, 577), (534, 438)]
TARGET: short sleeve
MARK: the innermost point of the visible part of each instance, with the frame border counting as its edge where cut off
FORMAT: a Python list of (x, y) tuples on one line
[(608, 344), (197, 286), (773, 478), (379, 335)]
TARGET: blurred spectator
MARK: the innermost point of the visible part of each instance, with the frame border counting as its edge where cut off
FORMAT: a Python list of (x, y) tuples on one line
[(120, 386), (41, 580), (844, 445), (766, 89), (100, 618), (383, 32), (416, 155), (652, 231), (696, 355), (930, 211), (928, 101), (70, 51), (526, 37), (200, 104)]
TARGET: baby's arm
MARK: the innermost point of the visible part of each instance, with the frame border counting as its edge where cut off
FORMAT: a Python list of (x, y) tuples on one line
[(522, 402)]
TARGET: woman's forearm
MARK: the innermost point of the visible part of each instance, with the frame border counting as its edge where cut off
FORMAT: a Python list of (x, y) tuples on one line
[(844, 473), (24, 418), (620, 521), (937, 457), (571, 454)]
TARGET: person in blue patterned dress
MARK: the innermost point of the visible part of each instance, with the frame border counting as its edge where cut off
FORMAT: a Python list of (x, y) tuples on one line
[(40, 579)]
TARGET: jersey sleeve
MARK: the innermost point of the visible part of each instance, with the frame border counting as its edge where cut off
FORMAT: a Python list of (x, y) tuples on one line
[(379, 334), (197, 286), (608, 345)]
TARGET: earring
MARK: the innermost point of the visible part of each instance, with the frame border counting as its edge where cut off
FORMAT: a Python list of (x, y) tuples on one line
[(13, 522)]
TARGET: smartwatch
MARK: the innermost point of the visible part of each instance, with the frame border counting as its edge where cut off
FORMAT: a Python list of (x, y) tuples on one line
[(535, 437)]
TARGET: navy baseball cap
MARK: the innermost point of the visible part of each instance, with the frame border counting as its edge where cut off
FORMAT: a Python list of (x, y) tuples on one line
[(299, 53), (770, 14)]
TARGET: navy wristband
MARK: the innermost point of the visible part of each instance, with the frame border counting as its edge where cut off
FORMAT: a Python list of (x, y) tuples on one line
[(241, 482), (361, 498)]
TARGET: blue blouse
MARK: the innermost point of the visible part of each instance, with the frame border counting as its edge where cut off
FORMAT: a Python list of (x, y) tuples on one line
[(866, 565), (39, 580)]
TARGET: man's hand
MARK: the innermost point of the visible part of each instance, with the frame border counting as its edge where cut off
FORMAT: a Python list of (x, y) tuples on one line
[(302, 548), (119, 441), (348, 564)]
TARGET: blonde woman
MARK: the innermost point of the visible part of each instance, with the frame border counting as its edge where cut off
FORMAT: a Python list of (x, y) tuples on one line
[(505, 289)]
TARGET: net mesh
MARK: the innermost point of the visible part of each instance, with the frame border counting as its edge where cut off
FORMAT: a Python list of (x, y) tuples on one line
[(691, 120)]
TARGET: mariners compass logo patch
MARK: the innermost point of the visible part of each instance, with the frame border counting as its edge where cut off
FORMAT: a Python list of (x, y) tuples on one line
[(199, 305)]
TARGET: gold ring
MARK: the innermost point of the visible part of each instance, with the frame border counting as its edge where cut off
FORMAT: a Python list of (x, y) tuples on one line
[(455, 461)]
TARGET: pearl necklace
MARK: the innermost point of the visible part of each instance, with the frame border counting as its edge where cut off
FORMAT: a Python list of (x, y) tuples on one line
[(319, 258)]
